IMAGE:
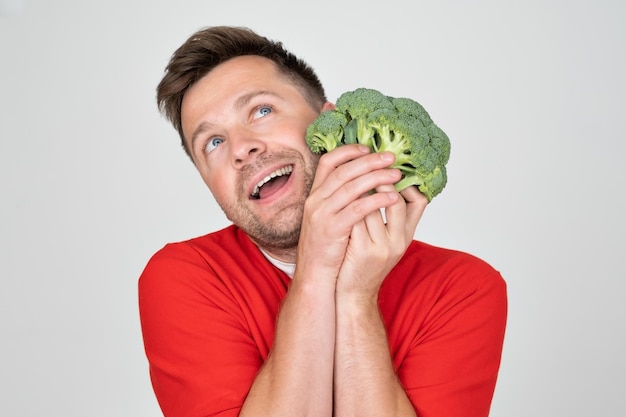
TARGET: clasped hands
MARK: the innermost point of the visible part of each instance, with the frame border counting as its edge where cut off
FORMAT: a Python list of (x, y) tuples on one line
[(344, 232)]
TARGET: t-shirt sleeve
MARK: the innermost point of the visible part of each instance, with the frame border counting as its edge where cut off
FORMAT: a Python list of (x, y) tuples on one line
[(201, 356), (452, 364)]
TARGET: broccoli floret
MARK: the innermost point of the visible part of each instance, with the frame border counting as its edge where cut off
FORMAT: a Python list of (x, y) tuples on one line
[(412, 108), (357, 106), (326, 132), (394, 124), (396, 132), (412, 143)]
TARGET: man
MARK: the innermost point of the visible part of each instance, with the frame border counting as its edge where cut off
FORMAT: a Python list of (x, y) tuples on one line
[(311, 303)]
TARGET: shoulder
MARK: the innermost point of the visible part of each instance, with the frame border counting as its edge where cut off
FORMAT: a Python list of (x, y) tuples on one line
[(449, 261), (432, 286), (442, 270), (222, 262), (198, 258), (229, 242)]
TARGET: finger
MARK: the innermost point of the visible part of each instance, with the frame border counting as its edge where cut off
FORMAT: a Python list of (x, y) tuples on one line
[(337, 157), (366, 206), (412, 194), (395, 219), (416, 204), (359, 234), (376, 227), (354, 198), (335, 176), (377, 222)]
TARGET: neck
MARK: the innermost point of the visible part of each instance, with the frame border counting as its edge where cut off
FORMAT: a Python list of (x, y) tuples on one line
[(281, 247), (283, 255)]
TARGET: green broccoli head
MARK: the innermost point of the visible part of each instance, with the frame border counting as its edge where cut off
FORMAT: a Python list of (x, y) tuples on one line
[(412, 108), (388, 124), (357, 105), (326, 132), (421, 151)]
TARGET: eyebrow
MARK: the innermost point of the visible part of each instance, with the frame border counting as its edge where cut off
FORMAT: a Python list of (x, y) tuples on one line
[(239, 103), (203, 127), (245, 99)]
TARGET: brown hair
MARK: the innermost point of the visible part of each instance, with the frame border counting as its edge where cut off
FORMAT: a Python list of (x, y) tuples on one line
[(211, 46)]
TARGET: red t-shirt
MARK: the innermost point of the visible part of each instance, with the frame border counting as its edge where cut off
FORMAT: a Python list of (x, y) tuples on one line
[(208, 307)]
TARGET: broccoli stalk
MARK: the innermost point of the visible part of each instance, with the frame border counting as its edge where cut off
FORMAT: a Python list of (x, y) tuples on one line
[(387, 124)]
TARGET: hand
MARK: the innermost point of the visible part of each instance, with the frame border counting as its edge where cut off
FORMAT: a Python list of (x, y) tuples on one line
[(376, 245), (340, 198)]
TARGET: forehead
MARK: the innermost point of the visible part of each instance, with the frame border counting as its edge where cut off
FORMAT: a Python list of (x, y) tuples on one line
[(215, 95), (236, 74), (231, 78)]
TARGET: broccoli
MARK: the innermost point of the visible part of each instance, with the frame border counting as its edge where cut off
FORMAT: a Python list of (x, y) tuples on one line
[(394, 124), (326, 132), (357, 106)]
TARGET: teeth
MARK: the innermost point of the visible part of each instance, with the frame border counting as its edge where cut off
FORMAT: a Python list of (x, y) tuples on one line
[(278, 173)]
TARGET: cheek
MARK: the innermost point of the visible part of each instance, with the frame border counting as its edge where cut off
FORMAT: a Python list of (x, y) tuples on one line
[(292, 136), (219, 185)]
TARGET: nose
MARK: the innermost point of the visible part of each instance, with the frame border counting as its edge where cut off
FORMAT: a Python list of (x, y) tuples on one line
[(245, 146)]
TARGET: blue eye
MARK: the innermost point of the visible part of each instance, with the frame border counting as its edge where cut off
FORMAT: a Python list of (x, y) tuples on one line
[(212, 144), (263, 111)]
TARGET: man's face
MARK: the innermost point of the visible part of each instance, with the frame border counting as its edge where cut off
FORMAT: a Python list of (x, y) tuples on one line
[(245, 125)]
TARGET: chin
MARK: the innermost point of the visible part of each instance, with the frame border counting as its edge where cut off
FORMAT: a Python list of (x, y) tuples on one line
[(280, 233)]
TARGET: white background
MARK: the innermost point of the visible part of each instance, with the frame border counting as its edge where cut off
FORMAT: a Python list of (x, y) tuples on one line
[(93, 180)]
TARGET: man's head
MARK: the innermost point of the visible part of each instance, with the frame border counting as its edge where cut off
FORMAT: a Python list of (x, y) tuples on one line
[(241, 105), (208, 48)]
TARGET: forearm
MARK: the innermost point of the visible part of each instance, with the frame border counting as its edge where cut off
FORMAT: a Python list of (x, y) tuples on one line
[(296, 380), (365, 382)]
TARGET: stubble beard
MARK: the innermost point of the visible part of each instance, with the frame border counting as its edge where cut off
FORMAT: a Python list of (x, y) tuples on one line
[(281, 233)]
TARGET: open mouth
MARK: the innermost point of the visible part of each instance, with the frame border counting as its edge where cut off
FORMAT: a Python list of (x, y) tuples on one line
[(271, 183)]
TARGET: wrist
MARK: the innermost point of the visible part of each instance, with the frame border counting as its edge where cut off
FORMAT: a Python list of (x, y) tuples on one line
[(356, 303)]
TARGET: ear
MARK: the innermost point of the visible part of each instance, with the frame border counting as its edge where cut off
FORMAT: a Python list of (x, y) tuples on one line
[(328, 106)]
